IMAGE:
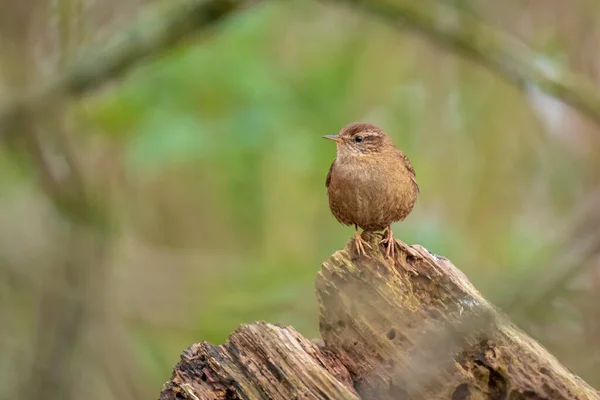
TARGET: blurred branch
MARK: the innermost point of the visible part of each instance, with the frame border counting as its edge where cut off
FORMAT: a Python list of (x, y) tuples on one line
[(537, 290), (502, 54), (73, 293), (69, 32), (66, 293), (151, 35)]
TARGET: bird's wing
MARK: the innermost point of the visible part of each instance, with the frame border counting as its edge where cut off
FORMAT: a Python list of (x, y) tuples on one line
[(328, 179), (410, 168)]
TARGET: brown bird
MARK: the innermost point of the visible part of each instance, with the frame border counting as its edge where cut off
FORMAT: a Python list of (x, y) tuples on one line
[(371, 183)]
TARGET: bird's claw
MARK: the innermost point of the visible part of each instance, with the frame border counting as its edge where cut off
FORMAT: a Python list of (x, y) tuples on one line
[(390, 250), (359, 242)]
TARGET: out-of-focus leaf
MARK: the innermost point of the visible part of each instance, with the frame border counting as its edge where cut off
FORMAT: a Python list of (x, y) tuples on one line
[(165, 139)]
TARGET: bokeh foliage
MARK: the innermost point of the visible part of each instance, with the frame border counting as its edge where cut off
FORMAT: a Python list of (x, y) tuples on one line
[(212, 161)]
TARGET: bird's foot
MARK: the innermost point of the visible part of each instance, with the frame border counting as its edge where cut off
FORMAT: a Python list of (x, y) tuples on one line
[(390, 250), (360, 244)]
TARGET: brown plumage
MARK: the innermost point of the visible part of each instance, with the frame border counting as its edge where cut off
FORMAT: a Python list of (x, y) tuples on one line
[(371, 183)]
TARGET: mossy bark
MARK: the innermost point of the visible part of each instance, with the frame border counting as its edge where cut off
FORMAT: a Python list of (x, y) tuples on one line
[(411, 328), (416, 328)]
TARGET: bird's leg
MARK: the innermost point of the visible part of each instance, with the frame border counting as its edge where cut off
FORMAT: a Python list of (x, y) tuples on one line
[(390, 251), (359, 242)]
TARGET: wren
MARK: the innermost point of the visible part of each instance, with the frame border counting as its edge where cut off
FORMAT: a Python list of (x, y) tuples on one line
[(370, 183)]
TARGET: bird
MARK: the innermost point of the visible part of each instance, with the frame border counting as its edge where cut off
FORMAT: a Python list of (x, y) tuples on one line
[(370, 184)]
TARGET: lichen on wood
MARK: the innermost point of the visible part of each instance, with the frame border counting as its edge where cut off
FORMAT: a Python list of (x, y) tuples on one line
[(409, 328), (417, 328)]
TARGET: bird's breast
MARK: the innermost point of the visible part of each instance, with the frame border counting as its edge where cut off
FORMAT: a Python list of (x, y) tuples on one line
[(370, 193)]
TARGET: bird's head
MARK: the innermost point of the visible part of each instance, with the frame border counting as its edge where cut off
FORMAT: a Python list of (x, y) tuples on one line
[(360, 139)]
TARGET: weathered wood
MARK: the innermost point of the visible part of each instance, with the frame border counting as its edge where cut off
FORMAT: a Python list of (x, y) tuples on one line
[(259, 361), (412, 328), (418, 329)]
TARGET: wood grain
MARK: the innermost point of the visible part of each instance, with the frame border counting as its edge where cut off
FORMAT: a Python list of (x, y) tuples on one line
[(414, 328)]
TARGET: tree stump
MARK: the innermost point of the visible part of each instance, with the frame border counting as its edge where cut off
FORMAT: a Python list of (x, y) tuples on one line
[(409, 328)]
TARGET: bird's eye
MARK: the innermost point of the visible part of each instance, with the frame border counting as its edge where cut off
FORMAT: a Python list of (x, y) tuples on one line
[(358, 139)]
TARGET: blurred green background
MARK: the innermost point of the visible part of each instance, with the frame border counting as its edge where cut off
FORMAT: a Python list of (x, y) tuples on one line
[(209, 168)]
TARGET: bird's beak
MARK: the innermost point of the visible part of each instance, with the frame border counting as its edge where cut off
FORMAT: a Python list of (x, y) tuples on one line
[(335, 138)]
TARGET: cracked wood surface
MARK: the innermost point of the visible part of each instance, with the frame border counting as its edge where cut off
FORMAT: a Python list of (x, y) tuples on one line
[(412, 328), (259, 361), (418, 329)]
